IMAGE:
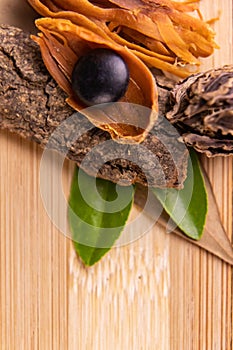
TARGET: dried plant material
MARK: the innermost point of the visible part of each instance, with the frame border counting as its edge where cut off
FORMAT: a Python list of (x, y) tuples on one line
[(39, 107), (203, 111), (62, 43), (160, 32)]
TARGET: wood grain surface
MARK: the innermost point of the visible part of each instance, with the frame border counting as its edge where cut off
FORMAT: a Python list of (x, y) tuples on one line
[(159, 292)]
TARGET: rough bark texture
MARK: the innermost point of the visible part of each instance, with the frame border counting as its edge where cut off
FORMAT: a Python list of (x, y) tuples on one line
[(33, 106)]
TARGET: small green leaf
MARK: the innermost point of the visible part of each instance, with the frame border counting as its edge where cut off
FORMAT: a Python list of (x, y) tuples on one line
[(98, 211), (187, 207)]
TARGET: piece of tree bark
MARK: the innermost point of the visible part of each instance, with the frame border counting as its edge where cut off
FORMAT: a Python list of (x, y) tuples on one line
[(33, 106)]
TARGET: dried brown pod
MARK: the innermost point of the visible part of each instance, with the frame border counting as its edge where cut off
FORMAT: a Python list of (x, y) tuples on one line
[(203, 111), (139, 30), (62, 43), (160, 32)]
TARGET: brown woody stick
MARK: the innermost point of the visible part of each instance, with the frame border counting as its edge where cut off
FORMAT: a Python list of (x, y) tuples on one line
[(33, 106)]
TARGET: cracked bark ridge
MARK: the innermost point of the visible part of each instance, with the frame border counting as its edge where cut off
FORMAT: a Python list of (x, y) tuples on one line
[(33, 106)]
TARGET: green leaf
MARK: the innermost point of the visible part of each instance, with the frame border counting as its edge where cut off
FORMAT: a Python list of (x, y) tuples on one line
[(187, 207), (98, 211)]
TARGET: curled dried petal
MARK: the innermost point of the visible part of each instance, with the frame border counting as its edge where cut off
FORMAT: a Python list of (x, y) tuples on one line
[(63, 42), (202, 109), (160, 32)]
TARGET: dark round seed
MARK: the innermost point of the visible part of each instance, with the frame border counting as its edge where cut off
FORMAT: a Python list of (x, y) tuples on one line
[(100, 76)]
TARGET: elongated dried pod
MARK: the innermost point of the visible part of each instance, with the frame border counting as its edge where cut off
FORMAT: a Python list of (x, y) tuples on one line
[(62, 43), (202, 110), (162, 33)]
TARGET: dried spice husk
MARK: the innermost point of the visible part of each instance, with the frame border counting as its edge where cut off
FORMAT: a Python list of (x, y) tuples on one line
[(203, 111), (63, 42), (161, 32)]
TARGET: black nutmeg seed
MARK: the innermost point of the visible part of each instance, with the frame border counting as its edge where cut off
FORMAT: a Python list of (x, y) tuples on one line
[(100, 76)]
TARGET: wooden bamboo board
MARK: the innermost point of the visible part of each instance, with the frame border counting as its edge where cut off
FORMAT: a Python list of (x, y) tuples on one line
[(159, 292)]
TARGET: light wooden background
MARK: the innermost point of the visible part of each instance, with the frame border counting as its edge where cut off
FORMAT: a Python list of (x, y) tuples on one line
[(158, 293)]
